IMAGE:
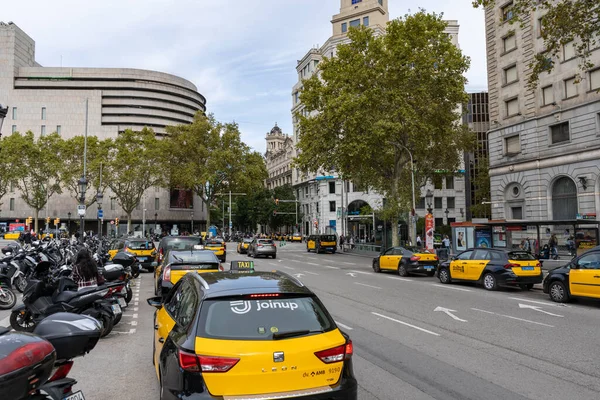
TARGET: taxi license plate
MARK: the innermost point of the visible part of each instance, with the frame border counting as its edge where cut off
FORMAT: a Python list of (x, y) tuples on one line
[(116, 308), (122, 302), (142, 258), (428, 267), (75, 396), (527, 268)]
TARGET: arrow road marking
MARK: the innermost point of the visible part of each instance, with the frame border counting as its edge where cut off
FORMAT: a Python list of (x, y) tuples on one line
[(312, 273), (405, 324), (544, 303), (515, 318), (449, 312), (352, 274), (298, 275), (538, 308)]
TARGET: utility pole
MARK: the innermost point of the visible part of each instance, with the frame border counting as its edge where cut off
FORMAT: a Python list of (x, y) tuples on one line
[(230, 221), (412, 216)]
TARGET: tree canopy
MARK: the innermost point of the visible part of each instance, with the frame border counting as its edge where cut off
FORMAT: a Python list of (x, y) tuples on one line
[(381, 97), (563, 21)]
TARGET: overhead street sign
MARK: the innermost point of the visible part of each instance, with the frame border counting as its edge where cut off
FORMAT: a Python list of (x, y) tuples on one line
[(100, 214)]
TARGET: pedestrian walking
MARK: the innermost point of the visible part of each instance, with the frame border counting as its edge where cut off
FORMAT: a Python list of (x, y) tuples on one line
[(419, 242), (553, 243), (446, 242), (341, 242)]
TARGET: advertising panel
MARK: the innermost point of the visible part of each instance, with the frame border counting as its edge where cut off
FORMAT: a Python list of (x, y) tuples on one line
[(181, 198), (483, 238), (429, 228), (460, 241)]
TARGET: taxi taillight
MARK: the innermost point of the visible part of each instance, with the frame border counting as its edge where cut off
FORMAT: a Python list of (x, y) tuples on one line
[(195, 363), (415, 258), (167, 273), (511, 265), (336, 354)]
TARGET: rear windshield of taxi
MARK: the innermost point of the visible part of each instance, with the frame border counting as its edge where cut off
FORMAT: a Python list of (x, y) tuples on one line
[(140, 245), (192, 257), (249, 319), (520, 256), (214, 242), (265, 241), (181, 243), (328, 238)]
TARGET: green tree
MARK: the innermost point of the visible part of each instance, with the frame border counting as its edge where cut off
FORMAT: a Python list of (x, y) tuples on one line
[(72, 166), (7, 172), (210, 159), (133, 166), (482, 192), (36, 166), (381, 96), (563, 22)]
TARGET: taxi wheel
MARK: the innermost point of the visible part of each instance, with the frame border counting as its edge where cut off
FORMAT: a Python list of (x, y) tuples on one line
[(490, 282), (444, 275), (558, 292), (376, 267), (402, 270)]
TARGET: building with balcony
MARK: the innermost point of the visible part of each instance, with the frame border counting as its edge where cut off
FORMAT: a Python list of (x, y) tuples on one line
[(45, 100), (278, 158)]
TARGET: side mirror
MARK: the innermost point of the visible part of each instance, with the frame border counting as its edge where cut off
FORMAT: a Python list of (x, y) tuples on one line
[(154, 264), (155, 302)]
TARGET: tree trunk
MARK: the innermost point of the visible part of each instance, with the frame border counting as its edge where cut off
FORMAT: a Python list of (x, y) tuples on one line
[(128, 223), (206, 203), (394, 193), (37, 213)]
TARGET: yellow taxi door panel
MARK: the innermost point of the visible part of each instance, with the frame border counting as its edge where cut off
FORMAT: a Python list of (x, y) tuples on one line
[(385, 261), (163, 324), (256, 372), (585, 279), (460, 265), (477, 264)]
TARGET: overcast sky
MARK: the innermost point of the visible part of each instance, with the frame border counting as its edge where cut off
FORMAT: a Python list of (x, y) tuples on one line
[(240, 54)]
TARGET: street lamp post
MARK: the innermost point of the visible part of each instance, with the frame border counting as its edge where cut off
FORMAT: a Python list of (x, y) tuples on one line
[(429, 200), (192, 219), (99, 198), (82, 188), (447, 212), (155, 217), (69, 215)]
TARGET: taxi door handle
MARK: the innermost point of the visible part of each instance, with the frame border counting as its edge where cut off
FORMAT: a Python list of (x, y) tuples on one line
[(596, 276), (481, 263), (155, 327), (161, 340)]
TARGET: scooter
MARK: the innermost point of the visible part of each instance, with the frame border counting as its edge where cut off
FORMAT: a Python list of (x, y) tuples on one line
[(8, 298)]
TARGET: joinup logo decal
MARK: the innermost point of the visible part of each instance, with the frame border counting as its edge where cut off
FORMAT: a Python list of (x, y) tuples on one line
[(240, 306)]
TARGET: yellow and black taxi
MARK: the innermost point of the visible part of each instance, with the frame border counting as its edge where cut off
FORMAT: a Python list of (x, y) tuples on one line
[(579, 278), (296, 237), (321, 243), (144, 251), (218, 246), (177, 263), (249, 335), (493, 268), (406, 260), (242, 247), (176, 243)]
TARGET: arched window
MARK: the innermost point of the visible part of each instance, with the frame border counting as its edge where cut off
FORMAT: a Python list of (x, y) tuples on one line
[(564, 199)]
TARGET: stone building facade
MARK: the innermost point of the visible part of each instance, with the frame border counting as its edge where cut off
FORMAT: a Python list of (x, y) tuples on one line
[(278, 158), (45, 100), (544, 143)]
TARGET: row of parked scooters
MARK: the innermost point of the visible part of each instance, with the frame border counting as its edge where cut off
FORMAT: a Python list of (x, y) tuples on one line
[(56, 322)]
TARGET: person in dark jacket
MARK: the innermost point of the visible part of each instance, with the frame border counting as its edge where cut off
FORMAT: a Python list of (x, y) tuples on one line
[(85, 271)]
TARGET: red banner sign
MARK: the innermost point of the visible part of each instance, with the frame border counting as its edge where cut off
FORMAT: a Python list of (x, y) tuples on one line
[(429, 228)]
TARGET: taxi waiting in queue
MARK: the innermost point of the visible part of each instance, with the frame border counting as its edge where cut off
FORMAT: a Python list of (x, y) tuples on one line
[(218, 246), (321, 243), (249, 335), (493, 268), (242, 247), (177, 263), (579, 278), (406, 260), (143, 249)]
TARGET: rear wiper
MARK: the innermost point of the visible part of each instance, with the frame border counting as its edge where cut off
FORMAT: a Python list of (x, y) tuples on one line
[(283, 335), (177, 258)]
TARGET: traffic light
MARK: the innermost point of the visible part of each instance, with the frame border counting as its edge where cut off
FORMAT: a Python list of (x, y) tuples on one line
[(277, 202), (48, 220), (116, 221), (29, 220)]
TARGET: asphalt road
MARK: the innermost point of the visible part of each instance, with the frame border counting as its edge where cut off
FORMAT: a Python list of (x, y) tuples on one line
[(507, 344)]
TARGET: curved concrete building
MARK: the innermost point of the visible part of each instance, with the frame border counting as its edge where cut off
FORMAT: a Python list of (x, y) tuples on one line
[(53, 99)]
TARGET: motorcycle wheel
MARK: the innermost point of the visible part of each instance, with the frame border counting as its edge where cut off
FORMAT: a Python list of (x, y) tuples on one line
[(107, 324), (129, 295), (117, 319), (8, 299), (135, 272), (21, 283), (22, 322)]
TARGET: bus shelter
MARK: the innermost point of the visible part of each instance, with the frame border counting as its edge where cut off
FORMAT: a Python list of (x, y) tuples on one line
[(514, 235)]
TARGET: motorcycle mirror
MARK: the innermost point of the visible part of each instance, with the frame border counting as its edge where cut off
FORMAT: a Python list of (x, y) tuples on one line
[(155, 302)]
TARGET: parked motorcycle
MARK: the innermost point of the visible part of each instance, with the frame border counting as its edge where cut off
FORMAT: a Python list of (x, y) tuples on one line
[(8, 298)]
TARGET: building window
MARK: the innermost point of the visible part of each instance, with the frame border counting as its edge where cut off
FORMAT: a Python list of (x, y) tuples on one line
[(449, 182), (156, 203), (12, 204), (421, 203), (510, 43), (450, 203), (560, 133), (437, 183), (564, 199), (439, 222), (568, 51), (356, 1), (14, 113), (595, 79), (516, 212), (437, 202), (380, 2), (512, 107), (570, 88), (512, 145), (12, 187), (112, 203), (510, 75), (317, 206), (14, 128), (43, 130), (540, 27), (332, 206), (355, 23), (344, 27), (507, 12), (366, 21), (548, 95), (43, 113), (332, 187), (58, 129)]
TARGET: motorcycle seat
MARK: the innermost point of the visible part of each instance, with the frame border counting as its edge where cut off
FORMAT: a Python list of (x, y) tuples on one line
[(64, 297)]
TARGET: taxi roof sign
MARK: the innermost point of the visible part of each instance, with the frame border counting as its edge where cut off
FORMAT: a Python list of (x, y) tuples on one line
[(198, 247), (242, 266)]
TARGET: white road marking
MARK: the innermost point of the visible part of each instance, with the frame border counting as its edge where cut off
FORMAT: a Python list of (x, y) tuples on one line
[(309, 263), (298, 275), (453, 288), (546, 303), (287, 267), (400, 279), (352, 274), (538, 308), (364, 284), (344, 326), (134, 323), (331, 267), (515, 318), (449, 313), (362, 272), (406, 324), (312, 273), (130, 332), (348, 263)]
